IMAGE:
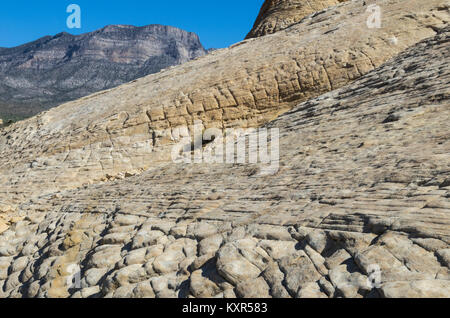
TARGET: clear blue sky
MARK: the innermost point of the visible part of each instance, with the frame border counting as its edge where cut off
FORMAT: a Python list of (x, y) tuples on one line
[(219, 23)]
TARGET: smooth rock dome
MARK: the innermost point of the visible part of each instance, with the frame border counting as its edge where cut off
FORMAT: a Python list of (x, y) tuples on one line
[(276, 15)]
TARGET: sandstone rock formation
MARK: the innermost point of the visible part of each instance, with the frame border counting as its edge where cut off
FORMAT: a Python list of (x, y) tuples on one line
[(363, 180), (55, 69), (354, 189), (276, 15), (129, 128)]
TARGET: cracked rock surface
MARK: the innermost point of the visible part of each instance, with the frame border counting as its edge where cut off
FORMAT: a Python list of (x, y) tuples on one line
[(131, 129), (363, 181)]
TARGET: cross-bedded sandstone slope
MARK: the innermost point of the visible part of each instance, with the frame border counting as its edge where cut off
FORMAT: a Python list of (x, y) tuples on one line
[(128, 129), (363, 180), (276, 15)]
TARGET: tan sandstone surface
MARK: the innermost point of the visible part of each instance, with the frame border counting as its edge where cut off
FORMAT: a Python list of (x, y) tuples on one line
[(127, 129), (363, 180), (276, 15), (364, 174)]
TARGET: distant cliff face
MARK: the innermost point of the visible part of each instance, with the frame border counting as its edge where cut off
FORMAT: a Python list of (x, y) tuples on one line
[(52, 70), (276, 15)]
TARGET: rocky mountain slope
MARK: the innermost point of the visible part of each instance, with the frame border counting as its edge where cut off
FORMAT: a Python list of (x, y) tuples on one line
[(364, 172), (375, 193), (55, 69), (130, 128)]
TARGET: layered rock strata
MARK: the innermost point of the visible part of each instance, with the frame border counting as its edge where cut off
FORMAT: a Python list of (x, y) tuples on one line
[(359, 208), (127, 130)]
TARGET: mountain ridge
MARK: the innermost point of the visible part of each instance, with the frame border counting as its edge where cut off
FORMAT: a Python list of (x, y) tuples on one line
[(55, 69)]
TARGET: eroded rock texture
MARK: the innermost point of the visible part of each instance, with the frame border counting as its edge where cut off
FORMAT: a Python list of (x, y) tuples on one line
[(363, 181), (128, 129), (276, 15), (359, 207)]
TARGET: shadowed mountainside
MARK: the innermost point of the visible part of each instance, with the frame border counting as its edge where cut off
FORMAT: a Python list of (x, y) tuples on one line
[(55, 69)]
